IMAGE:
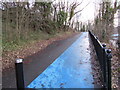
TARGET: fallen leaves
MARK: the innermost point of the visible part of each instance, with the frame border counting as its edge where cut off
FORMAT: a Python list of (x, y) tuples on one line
[(8, 57), (115, 66), (96, 72)]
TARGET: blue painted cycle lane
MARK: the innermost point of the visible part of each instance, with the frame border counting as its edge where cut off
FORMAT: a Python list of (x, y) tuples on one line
[(72, 69)]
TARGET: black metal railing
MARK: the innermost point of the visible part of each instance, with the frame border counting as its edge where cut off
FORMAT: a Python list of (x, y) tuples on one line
[(104, 56)]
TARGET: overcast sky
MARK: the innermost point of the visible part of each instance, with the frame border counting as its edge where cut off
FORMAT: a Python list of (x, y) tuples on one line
[(90, 10)]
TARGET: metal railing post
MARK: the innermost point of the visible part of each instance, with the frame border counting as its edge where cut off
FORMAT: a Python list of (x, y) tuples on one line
[(19, 74), (104, 64), (109, 56)]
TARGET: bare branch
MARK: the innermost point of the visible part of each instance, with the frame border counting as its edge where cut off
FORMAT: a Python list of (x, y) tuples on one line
[(82, 9)]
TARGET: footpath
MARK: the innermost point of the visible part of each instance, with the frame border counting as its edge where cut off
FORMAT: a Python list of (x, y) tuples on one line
[(72, 69)]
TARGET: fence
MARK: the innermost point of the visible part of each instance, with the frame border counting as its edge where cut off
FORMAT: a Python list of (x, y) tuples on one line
[(104, 56)]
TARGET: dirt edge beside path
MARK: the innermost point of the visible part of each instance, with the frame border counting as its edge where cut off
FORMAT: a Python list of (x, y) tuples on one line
[(8, 58), (96, 71)]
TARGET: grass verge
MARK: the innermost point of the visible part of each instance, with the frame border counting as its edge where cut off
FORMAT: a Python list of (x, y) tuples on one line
[(28, 47)]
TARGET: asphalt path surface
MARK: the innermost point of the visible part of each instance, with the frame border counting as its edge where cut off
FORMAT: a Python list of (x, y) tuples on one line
[(72, 69), (35, 64)]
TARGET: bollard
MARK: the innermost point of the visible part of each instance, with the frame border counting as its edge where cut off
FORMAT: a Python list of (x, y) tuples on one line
[(109, 56), (19, 73)]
